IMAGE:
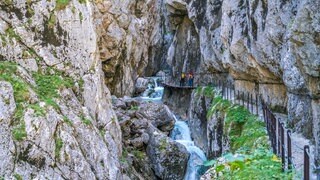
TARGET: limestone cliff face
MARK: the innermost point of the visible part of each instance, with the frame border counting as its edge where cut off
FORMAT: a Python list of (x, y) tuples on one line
[(56, 119), (268, 47), (133, 41)]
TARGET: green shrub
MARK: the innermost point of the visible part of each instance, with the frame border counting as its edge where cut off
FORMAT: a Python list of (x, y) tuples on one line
[(85, 120), (259, 164), (62, 4), (139, 154), (67, 120), (250, 156), (12, 34), (59, 144), (209, 91), (218, 104), (39, 111), (17, 176), (48, 86), (19, 132), (82, 1), (134, 108)]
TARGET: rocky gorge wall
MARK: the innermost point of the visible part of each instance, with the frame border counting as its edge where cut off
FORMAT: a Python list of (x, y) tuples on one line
[(267, 47), (56, 117), (133, 43)]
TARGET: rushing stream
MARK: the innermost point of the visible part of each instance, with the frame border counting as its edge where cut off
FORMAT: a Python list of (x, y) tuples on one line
[(154, 91), (180, 133)]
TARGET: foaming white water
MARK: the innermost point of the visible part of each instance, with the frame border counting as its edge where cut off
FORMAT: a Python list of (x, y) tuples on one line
[(181, 134), (154, 92)]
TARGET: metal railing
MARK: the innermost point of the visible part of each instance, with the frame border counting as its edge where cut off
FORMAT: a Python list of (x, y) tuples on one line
[(306, 169)]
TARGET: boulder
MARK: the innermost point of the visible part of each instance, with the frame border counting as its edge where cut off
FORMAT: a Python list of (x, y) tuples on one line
[(161, 74), (159, 115), (141, 85), (168, 158)]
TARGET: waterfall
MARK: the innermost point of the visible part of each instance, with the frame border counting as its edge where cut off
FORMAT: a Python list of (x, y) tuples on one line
[(155, 82), (154, 92), (181, 134)]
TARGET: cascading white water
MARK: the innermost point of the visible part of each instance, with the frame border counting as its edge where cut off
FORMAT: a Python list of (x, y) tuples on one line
[(155, 82), (180, 133), (154, 92)]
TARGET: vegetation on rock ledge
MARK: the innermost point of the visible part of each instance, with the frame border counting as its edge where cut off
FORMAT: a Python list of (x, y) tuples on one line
[(46, 90), (250, 155)]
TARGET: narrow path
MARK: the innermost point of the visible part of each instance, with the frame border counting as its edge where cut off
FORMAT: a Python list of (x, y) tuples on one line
[(297, 143), (297, 140)]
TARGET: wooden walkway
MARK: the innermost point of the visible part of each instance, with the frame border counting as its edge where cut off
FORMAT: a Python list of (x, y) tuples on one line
[(177, 87)]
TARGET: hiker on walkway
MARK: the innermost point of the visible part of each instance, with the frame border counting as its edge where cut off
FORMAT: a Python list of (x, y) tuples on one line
[(182, 79), (190, 79)]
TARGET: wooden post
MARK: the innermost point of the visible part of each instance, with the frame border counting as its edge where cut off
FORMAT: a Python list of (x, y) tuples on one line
[(243, 98), (306, 163), (238, 97), (234, 94), (228, 91), (226, 86), (279, 137), (248, 102), (282, 148), (257, 111), (289, 150), (251, 103), (222, 90)]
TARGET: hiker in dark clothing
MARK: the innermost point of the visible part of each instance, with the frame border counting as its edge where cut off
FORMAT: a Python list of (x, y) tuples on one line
[(190, 79), (183, 79)]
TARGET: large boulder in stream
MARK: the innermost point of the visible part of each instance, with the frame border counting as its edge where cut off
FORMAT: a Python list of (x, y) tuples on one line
[(159, 115), (141, 85), (168, 158)]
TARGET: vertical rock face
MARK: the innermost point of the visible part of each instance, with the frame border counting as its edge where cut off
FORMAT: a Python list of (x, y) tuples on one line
[(207, 132), (132, 42), (55, 110), (177, 99), (272, 44)]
